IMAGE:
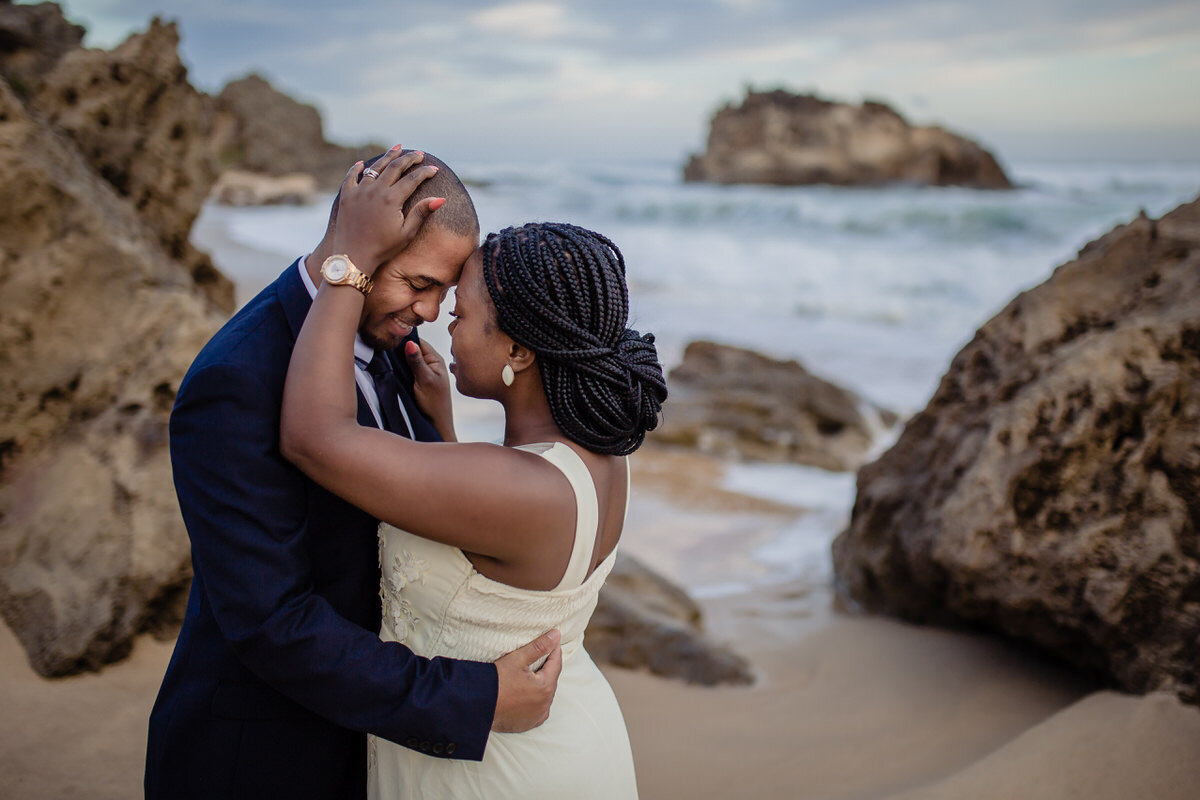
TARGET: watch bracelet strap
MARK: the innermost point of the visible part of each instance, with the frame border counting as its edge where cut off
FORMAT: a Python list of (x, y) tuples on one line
[(362, 281)]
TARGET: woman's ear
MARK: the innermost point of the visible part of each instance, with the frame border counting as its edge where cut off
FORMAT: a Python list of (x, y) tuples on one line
[(520, 357)]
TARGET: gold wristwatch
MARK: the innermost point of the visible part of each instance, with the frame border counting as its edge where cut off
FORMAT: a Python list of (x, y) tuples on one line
[(339, 270)]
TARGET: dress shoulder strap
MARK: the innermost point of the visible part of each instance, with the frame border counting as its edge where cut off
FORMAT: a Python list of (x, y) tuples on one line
[(587, 513)]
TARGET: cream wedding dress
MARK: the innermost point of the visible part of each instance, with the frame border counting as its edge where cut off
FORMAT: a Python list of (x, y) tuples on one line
[(438, 605)]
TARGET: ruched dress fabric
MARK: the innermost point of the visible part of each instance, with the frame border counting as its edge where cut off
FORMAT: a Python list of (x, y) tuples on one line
[(437, 604)]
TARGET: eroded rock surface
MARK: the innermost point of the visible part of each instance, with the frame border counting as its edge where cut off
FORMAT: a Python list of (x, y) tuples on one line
[(735, 403), (1051, 489), (788, 139), (32, 40), (98, 323), (143, 128), (643, 621)]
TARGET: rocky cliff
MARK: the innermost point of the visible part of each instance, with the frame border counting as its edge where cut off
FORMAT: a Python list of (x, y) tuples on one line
[(32, 40), (102, 307), (735, 403), (788, 139), (1050, 491), (263, 131)]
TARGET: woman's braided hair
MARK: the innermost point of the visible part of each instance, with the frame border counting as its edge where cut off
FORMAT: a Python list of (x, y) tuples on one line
[(560, 291)]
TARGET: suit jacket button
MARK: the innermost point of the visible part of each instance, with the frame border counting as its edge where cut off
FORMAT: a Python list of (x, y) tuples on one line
[(439, 748), (424, 747), (410, 742), (450, 748)]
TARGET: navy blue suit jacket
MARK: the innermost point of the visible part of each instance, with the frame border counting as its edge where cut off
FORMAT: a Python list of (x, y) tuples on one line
[(279, 670)]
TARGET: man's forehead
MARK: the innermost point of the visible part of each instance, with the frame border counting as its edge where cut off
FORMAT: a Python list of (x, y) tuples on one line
[(436, 257)]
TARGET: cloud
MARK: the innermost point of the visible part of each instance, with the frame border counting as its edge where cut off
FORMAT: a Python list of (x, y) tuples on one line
[(480, 73), (536, 22)]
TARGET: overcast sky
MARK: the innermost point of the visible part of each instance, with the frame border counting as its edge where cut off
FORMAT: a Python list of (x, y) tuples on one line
[(1029, 78)]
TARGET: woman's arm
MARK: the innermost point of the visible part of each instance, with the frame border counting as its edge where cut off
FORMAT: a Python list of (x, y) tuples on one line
[(505, 504)]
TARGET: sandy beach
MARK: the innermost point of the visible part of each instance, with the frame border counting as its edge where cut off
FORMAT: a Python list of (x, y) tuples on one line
[(844, 708)]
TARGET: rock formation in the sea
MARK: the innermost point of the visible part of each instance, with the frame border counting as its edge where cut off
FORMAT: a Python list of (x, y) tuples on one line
[(1051, 489), (643, 621), (787, 139), (261, 130), (99, 319), (236, 187), (736, 403)]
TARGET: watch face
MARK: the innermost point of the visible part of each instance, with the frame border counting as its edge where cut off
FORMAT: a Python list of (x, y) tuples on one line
[(336, 269)]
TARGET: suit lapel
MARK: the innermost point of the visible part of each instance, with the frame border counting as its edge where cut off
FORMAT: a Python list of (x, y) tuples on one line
[(294, 298)]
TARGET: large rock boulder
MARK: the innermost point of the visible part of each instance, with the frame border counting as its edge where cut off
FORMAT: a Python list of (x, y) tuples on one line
[(143, 128), (1051, 488), (98, 323), (643, 621), (32, 40), (261, 130), (788, 139), (735, 403)]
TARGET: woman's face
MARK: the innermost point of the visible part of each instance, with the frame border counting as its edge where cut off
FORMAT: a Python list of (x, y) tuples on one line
[(478, 348)]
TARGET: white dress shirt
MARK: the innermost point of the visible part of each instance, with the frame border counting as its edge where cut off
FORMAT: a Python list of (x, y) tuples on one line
[(362, 355)]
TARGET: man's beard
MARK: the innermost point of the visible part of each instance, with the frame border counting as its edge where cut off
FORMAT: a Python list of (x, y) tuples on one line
[(376, 342)]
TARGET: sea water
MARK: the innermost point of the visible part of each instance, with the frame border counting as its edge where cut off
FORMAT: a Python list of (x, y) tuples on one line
[(875, 289)]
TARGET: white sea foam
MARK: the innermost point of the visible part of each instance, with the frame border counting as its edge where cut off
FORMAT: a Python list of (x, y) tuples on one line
[(875, 289)]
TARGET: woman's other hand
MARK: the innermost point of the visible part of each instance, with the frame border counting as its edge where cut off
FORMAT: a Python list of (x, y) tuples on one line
[(371, 224), (431, 386)]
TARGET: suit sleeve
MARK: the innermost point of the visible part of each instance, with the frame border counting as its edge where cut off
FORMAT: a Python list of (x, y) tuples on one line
[(244, 507)]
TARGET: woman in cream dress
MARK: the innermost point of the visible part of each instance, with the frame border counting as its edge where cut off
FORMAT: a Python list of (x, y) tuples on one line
[(484, 547)]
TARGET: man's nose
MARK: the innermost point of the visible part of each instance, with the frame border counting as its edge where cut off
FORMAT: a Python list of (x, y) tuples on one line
[(427, 306)]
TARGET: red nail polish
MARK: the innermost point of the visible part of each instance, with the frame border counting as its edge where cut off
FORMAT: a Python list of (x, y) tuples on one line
[(437, 203), (396, 146)]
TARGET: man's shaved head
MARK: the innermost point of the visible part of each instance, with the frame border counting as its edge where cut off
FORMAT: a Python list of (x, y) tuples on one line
[(457, 215)]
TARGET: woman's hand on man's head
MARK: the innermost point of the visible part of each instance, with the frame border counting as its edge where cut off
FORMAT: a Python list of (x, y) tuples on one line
[(371, 224)]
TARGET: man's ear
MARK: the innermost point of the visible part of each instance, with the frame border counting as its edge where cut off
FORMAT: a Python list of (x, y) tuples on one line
[(324, 248), (520, 357), (333, 212)]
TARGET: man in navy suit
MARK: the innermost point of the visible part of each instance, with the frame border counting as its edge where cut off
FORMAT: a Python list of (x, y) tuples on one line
[(279, 672)]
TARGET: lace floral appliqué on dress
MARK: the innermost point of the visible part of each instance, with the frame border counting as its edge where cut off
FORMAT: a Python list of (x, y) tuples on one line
[(397, 610)]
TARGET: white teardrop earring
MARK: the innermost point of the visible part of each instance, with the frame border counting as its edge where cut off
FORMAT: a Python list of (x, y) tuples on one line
[(507, 375)]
